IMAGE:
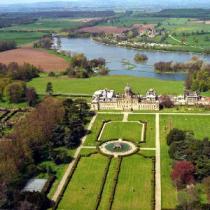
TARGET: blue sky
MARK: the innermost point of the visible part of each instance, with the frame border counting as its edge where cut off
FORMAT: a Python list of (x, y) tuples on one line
[(143, 1), (28, 1)]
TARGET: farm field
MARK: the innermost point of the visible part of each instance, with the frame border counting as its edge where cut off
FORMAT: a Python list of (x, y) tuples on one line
[(21, 38), (122, 130), (49, 25), (129, 21), (201, 127), (65, 85), (40, 58)]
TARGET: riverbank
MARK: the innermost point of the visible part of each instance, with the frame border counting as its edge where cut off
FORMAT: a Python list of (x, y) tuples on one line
[(151, 46)]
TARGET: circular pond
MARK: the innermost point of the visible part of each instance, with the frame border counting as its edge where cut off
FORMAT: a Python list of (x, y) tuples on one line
[(118, 148)]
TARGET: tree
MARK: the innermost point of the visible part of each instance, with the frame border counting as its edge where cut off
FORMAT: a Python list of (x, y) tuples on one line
[(175, 135), (15, 91), (49, 88), (34, 200), (189, 199), (31, 96), (183, 173), (206, 182), (166, 102)]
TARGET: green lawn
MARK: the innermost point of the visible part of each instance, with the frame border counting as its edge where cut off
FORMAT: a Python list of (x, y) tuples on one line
[(122, 130), (21, 37), (134, 188), (66, 85), (150, 129), (108, 185), (84, 187), (97, 126), (201, 127)]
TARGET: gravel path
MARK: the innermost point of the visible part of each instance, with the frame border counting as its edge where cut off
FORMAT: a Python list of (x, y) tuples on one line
[(68, 170), (157, 166)]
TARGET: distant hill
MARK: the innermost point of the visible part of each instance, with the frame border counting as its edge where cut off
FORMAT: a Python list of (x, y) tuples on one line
[(149, 5), (187, 13)]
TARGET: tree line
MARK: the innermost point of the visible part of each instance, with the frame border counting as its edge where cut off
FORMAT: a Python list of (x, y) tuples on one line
[(81, 67), (54, 123), (7, 45), (198, 72), (191, 166)]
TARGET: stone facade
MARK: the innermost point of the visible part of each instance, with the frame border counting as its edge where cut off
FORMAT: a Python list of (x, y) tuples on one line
[(109, 100)]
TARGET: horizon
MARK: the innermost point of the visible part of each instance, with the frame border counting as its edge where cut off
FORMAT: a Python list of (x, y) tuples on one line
[(161, 2)]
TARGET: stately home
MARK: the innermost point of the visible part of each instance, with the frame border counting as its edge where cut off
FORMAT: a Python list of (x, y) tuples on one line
[(128, 101)]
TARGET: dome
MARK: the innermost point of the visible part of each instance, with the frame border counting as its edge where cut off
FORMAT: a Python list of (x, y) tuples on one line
[(127, 89)]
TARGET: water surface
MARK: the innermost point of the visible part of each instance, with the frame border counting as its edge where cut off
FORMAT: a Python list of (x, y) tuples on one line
[(114, 56)]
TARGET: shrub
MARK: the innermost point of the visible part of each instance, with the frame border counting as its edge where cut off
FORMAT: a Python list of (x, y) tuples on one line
[(183, 173)]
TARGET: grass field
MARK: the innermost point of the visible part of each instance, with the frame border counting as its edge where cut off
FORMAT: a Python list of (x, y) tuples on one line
[(66, 85), (21, 38), (83, 189), (150, 128), (180, 25), (201, 127), (134, 188), (55, 24), (122, 130), (97, 126)]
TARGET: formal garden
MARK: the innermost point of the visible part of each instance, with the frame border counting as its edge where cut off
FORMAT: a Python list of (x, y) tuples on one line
[(115, 174), (128, 181)]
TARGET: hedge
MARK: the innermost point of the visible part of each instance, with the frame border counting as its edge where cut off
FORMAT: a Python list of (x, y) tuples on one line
[(102, 184), (145, 131), (111, 199), (102, 125)]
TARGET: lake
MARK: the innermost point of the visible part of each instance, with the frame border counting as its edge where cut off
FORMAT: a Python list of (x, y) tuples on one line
[(119, 59)]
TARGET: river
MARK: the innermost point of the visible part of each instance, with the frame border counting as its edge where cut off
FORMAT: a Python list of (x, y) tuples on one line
[(115, 56)]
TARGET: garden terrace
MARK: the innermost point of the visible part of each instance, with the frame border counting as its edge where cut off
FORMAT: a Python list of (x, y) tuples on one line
[(98, 125), (121, 130), (149, 121)]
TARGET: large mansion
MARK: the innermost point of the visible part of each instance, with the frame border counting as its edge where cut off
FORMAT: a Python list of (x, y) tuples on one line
[(129, 101)]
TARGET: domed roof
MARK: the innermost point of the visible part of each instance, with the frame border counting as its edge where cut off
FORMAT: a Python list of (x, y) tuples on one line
[(127, 88)]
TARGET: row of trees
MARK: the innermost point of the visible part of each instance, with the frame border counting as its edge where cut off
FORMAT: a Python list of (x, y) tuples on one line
[(191, 165), (198, 72), (44, 42), (194, 64), (81, 67), (7, 45), (24, 72), (53, 123)]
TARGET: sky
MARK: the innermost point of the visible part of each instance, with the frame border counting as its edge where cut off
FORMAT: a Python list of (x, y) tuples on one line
[(29, 1), (143, 1)]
